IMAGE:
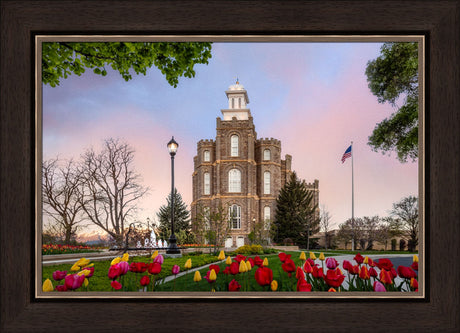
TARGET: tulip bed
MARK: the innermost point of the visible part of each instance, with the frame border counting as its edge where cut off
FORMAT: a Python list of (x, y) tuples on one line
[(281, 272), (65, 249)]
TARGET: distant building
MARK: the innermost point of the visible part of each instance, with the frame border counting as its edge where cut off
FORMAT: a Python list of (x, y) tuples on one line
[(239, 171)]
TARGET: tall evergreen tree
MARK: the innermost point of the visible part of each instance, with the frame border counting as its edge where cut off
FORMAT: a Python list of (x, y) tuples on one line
[(181, 216), (295, 213)]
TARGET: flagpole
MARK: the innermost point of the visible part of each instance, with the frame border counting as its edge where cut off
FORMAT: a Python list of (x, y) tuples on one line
[(352, 201)]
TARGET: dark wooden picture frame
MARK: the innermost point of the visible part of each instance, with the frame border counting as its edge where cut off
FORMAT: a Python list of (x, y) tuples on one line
[(20, 20)]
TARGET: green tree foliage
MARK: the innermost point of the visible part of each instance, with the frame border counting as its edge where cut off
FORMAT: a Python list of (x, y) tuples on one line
[(295, 213), (181, 216), (406, 210), (393, 77), (61, 59)]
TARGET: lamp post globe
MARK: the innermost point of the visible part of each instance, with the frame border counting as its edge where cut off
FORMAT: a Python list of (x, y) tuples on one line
[(172, 247)]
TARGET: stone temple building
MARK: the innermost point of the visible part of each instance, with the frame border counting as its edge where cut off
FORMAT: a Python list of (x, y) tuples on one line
[(239, 171)]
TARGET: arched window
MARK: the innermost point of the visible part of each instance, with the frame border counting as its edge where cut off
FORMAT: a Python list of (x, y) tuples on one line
[(239, 103), (206, 156), (207, 183), (233, 103), (267, 217), (234, 212), (266, 182), (234, 180), (234, 145), (267, 155)]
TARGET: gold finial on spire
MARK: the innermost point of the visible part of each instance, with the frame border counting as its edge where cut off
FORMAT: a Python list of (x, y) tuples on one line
[(237, 81)]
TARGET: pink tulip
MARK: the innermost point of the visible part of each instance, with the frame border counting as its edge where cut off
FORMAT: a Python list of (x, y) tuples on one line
[(59, 275), (159, 259), (331, 263), (124, 267), (175, 269), (114, 271), (378, 287), (74, 281)]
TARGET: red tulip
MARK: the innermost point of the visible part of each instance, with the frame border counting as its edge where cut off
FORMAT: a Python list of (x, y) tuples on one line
[(234, 286), (347, 266), (385, 277), (384, 263), (234, 268), (114, 271), (283, 256), (406, 272), (251, 261), (226, 271), (414, 283), (370, 262), (331, 263), (332, 290), (154, 268), (116, 285), (364, 273), (145, 280), (288, 266), (393, 273), (299, 274), (240, 257), (215, 268), (264, 276), (59, 275), (258, 262), (74, 281), (303, 285), (414, 266), (355, 270), (372, 272), (317, 272), (138, 267), (307, 267), (311, 262), (359, 258), (61, 288), (333, 278)]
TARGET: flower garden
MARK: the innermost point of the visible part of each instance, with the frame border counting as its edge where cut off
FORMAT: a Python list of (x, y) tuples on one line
[(65, 249), (282, 272)]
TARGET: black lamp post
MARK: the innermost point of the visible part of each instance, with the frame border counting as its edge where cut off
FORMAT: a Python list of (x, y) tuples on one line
[(172, 248)]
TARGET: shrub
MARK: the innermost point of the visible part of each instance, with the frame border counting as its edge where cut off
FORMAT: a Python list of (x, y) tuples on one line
[(250, 249)]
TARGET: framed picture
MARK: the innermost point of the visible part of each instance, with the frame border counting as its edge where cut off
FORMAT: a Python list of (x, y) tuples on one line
[(79, 200), (21, 306)]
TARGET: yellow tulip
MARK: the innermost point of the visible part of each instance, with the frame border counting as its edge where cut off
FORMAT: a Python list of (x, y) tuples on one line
[(115, 261), (274, 285), (47, 286), (212, 275), (243, 267), (82, 262), (415, 259), (91, 265), (302, 256), (197, 276), (248, 266), (221, 255), (321, 256), (86, 282), (125, 257), (84, 272), (228, 261), (265, 263), (312, 256), (188, 264), (154, 254), (75, 267)]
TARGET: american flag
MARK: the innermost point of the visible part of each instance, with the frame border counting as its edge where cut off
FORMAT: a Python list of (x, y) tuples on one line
[(346, 154)]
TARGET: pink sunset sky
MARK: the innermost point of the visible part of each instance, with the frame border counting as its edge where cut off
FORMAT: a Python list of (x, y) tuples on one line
[(311, 96)]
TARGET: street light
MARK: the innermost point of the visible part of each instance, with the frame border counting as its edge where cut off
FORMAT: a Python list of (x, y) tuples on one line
[(172, 248)]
